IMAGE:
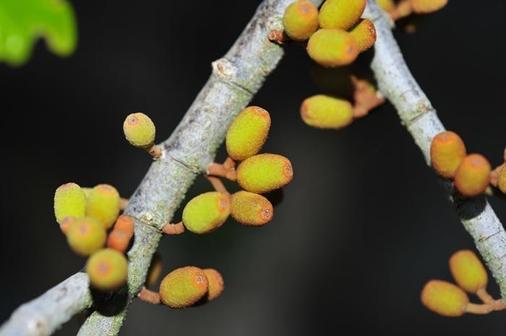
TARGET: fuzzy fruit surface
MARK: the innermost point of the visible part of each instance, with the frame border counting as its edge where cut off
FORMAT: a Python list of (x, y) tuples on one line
[(300, 20), (447, 151), (264, 172), (139, 130), (341, 14), (444, 298), (326, 112), (183, 287), (107, 270), (206, 212), (69, 201), (250, 208), (332, 47), (468, 271), (86, 235)]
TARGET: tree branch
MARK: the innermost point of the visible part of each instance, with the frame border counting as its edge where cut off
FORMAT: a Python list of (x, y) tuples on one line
[(397, 84), (235, 79)]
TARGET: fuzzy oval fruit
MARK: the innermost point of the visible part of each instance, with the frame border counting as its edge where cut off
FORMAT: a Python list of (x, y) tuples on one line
[(206, 212), (501, 180), (103, 204), (300, 20), (264, 172), (69, 201), (250, 208), (332, 47), (447, 151), (215, 282), (107, 269), (341, 14), (468, 271), (247, 133), (364, 34), (183, 287), (326, 112), (86, 235), (473, 175), (139, 130), (427, 6), (444, 298)]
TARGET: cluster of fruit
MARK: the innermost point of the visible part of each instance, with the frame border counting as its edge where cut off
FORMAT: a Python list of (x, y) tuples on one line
[(447, 299)]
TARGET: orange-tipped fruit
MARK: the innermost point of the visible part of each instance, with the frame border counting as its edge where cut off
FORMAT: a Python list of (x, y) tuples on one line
[(206, 212), (341, 14), (216, 284), (264, 172), (251, 209), (107, 270), (444, 298), (468, 271), (447, 152), (183, 287), (332, 47), (85, 236), (473, 175), (300, 20), (326, 112), (103, 204), (364, 34)]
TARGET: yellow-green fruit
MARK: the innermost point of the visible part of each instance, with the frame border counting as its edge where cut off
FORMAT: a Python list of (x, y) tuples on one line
[(107, 269), (427, 6), (501, 179), (247, 133), (86, 235), (300, 20), (250, 208), (364, 34), (332, 47), (322, 111), (69, 201), (139, 130), (468, 271), (216, 284), (444, 298), (183, 287), (386, 5), (447, 151), (264, 172), (473, 175), (341, 14), (103, 204), (206, 212)]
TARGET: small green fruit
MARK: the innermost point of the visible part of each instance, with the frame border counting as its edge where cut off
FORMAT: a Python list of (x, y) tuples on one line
[(341, 14), (248, 132), (326, 112), (332, 47), (250, 208), (139, 130), (107, 270), (300, 20), (264, 172), (183, 287), (69, 201), (206, 212), (86, 235), (103, 204)]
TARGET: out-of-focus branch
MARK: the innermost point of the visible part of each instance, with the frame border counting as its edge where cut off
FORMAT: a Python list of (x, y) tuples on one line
[(398, 85)]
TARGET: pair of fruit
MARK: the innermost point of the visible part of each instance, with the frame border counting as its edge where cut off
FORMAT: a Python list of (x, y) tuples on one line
[(341, 37), (471, 173), (447, 299)]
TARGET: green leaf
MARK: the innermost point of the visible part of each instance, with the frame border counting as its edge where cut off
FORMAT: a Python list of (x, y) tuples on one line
[(22, 22)]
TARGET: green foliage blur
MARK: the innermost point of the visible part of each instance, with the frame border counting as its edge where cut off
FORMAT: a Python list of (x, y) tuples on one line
[(22, 22)]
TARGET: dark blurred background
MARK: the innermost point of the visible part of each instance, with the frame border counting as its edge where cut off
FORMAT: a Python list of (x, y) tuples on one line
[(360, 230)]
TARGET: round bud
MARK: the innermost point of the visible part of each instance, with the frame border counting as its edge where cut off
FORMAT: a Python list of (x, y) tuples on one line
[(386, 5), (427, 6), (183, 287), (86, 235), (300, 20), (107, 269), (103, 204), (139, 130), (341, 14), (332, 47), (250, 208), (364, 34), (264, 172), (247, 133), (69, 201), (447, 151), (216, 284), (501, 180), (444, 298), (206, 212), (473, 175), (468, 271), (327, 112)]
